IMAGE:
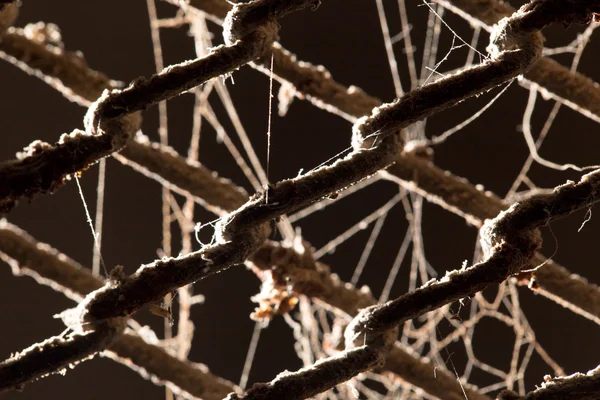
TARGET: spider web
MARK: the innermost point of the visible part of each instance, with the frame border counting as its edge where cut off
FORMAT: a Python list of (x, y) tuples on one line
[(451, 337)]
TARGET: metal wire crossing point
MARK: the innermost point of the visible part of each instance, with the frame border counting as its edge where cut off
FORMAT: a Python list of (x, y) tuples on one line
[(410, 326)]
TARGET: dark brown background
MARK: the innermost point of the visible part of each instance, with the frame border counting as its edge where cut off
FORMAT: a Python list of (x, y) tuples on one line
[(345, 37)]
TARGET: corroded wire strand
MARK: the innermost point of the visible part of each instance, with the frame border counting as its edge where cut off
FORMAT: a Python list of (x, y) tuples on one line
[(49, 267), (283, 269), (186, 177), (55, 354), (183, 378), (311, 82), (250, 31), (571, 88), (28, 257), (237, 236), (511, 239), (43, 168), (576, 386), (510, 226), (65, 71), (457, 195)]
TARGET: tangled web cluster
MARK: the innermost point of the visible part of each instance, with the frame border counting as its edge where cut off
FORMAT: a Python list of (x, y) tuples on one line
[(417, 342)]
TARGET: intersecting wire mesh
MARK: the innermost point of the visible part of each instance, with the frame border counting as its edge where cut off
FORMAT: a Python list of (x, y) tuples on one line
[(448, 336)]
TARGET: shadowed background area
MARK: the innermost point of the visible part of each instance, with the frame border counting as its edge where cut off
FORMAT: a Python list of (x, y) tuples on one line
[(346, 38)]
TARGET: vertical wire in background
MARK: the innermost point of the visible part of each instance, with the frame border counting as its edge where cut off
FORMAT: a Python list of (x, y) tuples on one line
[(97, 255), (269, 127), (410, 53), (89, 220), (389, 48), (185, 326), (284, 225), (364, 257), (250, 355), (162, 124), (163, 137)]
